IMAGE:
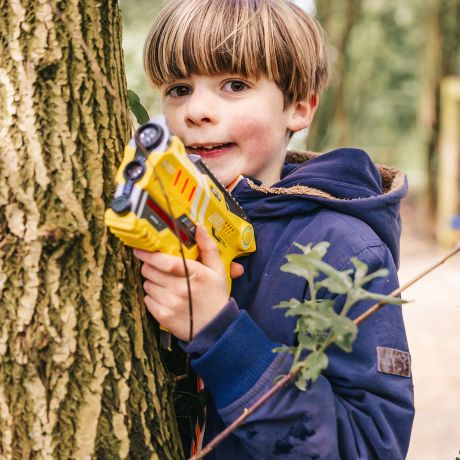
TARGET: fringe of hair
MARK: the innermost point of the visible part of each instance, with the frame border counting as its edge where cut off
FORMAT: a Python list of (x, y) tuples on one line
[(252, 38)]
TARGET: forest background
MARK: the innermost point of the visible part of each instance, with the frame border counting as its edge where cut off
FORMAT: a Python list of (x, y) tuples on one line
[(389, 59)]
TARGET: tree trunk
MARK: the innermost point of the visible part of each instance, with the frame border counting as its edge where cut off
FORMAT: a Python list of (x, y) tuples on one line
[(429, 98), (446, 35), (331, 126), (80, 374)]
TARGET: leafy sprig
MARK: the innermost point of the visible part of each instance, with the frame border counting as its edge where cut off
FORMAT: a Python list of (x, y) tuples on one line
[(282, 382), (136, 107), (318, 324)]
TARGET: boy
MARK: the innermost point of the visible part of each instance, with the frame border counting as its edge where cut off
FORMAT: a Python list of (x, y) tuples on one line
[(237, 78)]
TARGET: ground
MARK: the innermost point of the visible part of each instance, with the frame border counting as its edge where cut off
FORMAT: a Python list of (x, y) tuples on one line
[(433, 330)]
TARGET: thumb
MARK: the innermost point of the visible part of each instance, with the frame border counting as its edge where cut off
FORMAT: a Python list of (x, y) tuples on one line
[(209, 254), (236, 270)]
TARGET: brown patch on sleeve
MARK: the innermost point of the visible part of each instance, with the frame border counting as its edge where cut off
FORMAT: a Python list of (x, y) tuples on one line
[(396, 362)]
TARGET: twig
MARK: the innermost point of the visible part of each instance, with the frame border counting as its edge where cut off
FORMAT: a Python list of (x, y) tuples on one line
[(246, 413), (398, 291), (288, 377)]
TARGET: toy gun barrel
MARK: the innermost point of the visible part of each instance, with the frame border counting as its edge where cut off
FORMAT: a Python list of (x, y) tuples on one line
[(162, 195)]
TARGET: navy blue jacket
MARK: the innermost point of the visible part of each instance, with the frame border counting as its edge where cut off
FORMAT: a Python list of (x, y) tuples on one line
[(359, 408)]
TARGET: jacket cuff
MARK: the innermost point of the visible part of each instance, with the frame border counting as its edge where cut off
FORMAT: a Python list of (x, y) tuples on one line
[(232, 366), (209, 334)]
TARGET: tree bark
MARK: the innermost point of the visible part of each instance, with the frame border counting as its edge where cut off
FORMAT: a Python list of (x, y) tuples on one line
[(80, 374)]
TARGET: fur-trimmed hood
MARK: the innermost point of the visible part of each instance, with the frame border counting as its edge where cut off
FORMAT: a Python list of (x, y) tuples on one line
[(345, 180)]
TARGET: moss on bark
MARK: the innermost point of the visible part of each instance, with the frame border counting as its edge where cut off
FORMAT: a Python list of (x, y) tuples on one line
[(80, 374)]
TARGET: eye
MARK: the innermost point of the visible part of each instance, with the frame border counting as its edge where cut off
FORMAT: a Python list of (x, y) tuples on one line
[(235, 86), (179, 91)]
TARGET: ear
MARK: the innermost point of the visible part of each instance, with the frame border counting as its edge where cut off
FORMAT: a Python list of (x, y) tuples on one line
[(302, 113)]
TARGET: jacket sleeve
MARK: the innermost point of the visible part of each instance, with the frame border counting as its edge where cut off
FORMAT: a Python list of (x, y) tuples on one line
[(353, 411)]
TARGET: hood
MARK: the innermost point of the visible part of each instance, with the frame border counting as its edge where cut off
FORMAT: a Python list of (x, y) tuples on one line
[(345, 180)]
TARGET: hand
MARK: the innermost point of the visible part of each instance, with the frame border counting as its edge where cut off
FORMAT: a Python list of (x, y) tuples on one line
[(166, 286)]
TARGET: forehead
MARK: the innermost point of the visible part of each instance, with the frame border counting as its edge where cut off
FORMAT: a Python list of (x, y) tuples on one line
[(211, 38), (252, 38)]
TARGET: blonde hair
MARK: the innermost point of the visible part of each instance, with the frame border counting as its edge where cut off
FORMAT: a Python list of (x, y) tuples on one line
[(275, 39)]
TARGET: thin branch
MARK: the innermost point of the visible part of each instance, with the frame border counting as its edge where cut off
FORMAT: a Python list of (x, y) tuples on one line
[(245, 414), (288, 377), (398, 291)]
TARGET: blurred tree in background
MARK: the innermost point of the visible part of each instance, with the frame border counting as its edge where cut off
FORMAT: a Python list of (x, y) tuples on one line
[(372, 101), (388, 60), (137, 18), (441, 58)]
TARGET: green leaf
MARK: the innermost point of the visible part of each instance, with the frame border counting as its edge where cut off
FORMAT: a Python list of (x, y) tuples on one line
[(311, 368), (307, 341), (284, 349), (336, 284), (137, 108), (302, 309), (385, 298), (299, 265), (288, 304), (317, 362), (382, 273), (302, 379), (315, 322), (325, 305), (360, 269), (305, 267), (345, 332), (318, 251)]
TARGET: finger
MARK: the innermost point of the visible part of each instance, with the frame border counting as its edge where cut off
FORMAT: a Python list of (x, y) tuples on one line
[(161, 313), (173, 288), (168, 318), (166, 263), (236, 270), (209, 254), (150, 273)]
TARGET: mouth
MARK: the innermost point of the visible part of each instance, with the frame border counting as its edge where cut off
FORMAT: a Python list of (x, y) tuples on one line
[(209, 150)]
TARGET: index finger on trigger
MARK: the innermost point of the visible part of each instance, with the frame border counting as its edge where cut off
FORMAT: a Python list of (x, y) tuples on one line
[(165, 263), (143, 256)]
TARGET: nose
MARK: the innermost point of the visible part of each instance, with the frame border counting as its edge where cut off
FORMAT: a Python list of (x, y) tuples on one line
[(201, 109)]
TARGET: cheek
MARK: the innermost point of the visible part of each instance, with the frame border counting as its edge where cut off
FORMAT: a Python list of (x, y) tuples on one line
[(252, 130), (171, 120)]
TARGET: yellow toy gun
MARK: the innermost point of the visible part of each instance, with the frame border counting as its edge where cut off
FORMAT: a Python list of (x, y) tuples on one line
[(162, 195)]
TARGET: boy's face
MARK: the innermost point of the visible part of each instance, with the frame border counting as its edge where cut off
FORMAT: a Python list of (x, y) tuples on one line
[(238, 126)]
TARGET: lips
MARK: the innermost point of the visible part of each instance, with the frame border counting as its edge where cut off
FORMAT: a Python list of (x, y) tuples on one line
[(209, 150)]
